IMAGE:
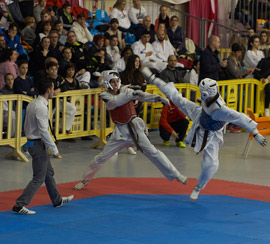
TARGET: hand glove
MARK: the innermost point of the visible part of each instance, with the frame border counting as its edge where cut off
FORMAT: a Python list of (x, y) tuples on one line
[(164, 100), (260, 139), (138, 93)]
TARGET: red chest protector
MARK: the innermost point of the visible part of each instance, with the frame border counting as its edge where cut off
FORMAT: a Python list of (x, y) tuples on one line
[(124, 113)]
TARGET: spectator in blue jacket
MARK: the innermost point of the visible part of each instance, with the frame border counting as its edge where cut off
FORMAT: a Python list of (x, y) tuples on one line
[(13, 39)]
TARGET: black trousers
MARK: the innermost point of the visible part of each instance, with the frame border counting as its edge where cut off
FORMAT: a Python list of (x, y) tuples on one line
[(180, 127), (267, 96)]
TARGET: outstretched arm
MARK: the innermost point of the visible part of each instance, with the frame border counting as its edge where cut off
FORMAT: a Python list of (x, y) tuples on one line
[(189, 108)]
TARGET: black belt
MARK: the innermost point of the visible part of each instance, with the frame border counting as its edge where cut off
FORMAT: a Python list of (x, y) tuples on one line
[(39, 139)]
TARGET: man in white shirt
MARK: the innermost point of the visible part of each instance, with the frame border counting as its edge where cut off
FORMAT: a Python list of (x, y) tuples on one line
[(113, 53), (79, 27), (163, 48), (136, 13), (39, 141), (145, 51)]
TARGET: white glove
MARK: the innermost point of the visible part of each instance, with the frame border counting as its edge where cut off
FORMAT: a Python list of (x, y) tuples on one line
[(139, 93), (259, 138), (164, 100)]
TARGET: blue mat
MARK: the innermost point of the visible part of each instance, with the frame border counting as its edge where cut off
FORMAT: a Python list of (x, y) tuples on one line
[(130, 219)]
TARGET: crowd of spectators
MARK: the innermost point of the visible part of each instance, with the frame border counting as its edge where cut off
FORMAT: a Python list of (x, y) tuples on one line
[(54, 44)]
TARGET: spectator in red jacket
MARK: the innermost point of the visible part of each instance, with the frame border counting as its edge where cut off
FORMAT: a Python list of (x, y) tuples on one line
[(173, 123)]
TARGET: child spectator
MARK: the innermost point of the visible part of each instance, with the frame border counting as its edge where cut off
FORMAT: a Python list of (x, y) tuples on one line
[(23, 84), (28, 33), (66, 17), (70, 82), (173, 123), (8, 65), (13, 39)]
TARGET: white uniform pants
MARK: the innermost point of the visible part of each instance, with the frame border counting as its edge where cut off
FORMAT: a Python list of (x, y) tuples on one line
[(157, 157), (209, 164)]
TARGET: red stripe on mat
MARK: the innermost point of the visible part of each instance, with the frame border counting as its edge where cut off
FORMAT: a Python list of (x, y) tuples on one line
[(157, 186)]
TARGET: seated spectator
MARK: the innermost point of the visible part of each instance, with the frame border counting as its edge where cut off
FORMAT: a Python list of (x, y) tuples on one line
[(265, 43), (192, 76), (64, 60), (52, 14), (263, 72), (121, 63), (70, 82), (145, 51), (41, 74), (45, 16), (37, 58), (173, 123), (58, 26), (136, 13), (172, 74), (177, 36), (210, 63), (146, 25), (38, 9), (51, 70), (234, 68), (120, 13), (82, 75), (163, 48), (253, 54), (243, 12), (45, 31), (28, 33), (95, 65), (3, 45), (79, 27), (66, 17), (8, 65), (78, 50), (132, 74), (8, 90), (163, 18), (113, 30), (23, 84), (55, 46), (13, 39), (113, 53), (98, 44)]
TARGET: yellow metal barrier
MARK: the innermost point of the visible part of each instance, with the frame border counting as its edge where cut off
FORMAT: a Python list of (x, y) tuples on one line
[(224, 53), (92, 118)]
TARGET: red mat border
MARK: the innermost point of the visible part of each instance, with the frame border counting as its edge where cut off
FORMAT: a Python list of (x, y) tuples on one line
[(152, 186)]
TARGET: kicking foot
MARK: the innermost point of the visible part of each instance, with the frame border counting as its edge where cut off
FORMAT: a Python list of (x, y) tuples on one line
[(182, 178), (64, 201), (195, 193), (23, 210), (81, 185)]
